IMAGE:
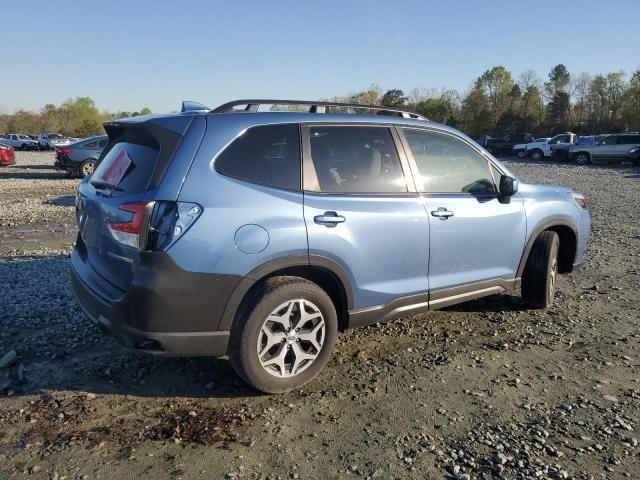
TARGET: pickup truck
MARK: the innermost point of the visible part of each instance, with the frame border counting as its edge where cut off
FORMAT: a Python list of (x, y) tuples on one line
[(539, 150), (49, 141), (520, 150), (504, 145)]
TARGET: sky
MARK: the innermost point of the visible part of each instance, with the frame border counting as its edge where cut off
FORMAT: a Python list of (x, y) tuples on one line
[(130, 54)]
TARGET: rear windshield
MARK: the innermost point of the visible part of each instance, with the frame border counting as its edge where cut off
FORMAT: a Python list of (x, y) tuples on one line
[(128, 166)]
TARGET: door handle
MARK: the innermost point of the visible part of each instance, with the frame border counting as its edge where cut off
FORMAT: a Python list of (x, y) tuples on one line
[(330, 219), (442, 213)]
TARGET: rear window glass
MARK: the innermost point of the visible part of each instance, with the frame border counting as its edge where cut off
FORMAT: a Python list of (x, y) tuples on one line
[(136, 177), (268, 155)]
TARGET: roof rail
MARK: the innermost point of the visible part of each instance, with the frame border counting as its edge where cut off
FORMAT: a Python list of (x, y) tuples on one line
[(314, 107)]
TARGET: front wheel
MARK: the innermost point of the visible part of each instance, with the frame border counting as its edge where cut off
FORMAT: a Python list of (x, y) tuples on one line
[(284, 334), (87, 168), (541, 271), (583, 159), (537, 155)]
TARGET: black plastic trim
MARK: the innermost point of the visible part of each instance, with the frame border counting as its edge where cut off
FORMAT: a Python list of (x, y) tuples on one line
[(539, 229)]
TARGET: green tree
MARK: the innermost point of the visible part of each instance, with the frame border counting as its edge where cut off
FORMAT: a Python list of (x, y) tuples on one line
[(394, 98), (631, 102), (434, 109), (496, 84)]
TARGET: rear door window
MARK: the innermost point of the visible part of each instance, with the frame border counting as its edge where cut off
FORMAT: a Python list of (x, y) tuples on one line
[(356, 160), (448, 165), (267, 155)]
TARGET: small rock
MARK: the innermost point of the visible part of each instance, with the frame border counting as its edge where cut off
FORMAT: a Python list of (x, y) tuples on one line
[(631, 441), (610, 398)]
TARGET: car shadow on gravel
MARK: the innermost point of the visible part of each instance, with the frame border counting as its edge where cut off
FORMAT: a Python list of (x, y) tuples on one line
[(493, 303), (25, 175), (58, 349), (63, 201)]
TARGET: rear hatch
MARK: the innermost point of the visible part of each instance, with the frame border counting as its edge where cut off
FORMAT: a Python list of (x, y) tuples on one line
[(113, 205)]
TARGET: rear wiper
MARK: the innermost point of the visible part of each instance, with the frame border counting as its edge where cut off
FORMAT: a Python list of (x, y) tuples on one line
[(105, 186)]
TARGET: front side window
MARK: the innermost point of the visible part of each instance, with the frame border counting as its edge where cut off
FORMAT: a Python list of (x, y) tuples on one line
[(611, 140), (267, 155), (448, 165), (356, 159)]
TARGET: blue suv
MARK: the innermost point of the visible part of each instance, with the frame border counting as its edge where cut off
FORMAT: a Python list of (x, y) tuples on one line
[(260, 235)]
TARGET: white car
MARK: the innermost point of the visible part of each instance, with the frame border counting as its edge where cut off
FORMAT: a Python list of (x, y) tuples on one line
[(541, 147), (19, 142), (50, 141), (521, 149)]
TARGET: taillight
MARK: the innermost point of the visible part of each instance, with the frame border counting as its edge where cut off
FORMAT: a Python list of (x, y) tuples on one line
[(66, 151), (134, 232), (154, 225)]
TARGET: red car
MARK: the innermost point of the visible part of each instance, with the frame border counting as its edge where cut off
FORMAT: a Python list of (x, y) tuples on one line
[(7, 155)]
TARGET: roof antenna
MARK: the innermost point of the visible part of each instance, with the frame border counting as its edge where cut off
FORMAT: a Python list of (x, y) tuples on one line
[(191, 106)]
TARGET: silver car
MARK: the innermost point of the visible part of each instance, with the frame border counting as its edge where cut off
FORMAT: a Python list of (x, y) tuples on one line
[(610, 149), (19, 142)]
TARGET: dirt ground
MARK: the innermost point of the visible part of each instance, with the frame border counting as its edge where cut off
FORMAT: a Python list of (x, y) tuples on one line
[(486, 389)]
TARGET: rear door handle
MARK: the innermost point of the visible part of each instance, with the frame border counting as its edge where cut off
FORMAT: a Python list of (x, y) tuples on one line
[(330, 219), (442, 213)]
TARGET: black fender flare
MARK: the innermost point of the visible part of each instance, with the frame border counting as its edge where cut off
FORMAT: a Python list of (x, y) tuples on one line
[(268, 268), (537, 231)]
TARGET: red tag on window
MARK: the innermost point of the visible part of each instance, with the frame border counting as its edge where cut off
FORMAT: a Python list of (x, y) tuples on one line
[(116, 169)]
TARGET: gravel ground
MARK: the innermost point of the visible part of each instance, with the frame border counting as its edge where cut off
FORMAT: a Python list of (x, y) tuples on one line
[(487, 389)]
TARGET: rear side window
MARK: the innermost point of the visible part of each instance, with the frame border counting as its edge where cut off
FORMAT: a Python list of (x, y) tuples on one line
[(128, 166), (356, 160), (448, 165), (629, 139), (267, 155)]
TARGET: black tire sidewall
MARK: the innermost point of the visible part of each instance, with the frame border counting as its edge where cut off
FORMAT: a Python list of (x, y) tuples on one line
[(245, 358)]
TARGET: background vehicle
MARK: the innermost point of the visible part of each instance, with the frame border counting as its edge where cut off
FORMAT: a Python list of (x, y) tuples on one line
[(260, 234), (19, 142), (633, 155), (7, 155), (520, 149), (504, 145), (537, 151), (609, 149), (49, 141), (560, 151), (80, 158), (482, 140)]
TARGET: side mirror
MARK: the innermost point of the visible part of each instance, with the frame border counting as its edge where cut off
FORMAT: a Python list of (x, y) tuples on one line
[(508, 186)]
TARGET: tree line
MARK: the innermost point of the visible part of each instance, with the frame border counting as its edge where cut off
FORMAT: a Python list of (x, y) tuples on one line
[(77, 117), (495, 104)]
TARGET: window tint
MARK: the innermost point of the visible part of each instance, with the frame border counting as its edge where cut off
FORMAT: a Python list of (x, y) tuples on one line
[(629, 139), (448, 165), (269, 155), (90, 145), (143, 160), (102, 143), (356, 160), (610, 140)]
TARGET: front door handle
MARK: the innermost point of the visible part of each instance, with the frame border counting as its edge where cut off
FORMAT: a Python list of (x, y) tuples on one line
[(330, 219), (442, 213)]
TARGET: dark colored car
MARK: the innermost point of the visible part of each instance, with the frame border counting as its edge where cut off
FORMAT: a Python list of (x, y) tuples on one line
[(504, 145), (633, 155), (7, 155), (483, 139), (80, 158)]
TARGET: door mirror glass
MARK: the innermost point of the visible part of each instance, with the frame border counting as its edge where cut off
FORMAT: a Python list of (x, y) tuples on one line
[(508, 186)]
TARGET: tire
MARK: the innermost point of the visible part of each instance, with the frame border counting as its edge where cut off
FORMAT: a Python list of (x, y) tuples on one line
[(86, 168), (280, 297), (537, 155), (23, 147), (541, 271), (520, 154), (582, 158)]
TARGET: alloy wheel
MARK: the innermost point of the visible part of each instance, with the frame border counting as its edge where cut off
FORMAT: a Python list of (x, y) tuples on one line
[(291, 338)]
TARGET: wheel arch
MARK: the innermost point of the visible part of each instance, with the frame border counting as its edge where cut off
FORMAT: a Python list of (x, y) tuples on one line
[(327, 273), (568, 236)]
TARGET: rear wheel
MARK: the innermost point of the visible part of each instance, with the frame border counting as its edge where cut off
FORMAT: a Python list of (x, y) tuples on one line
[(541, 271), (284, 334), (537, 155), (87, 168), (583, 158)]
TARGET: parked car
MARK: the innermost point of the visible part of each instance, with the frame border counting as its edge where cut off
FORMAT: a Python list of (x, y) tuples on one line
[(504, 145), (18, 141), (520, 150), (259, 234), (539, 150), (633, 155), (7, 155), (49, 141), (560, 151), (80, 158), (482, 140), (609, 149)]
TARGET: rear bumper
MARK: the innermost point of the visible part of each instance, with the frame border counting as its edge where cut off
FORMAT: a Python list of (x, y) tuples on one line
[(65, 164), (171, 330)]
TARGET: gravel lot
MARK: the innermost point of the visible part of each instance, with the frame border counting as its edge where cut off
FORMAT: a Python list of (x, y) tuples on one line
[(486, 389)]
